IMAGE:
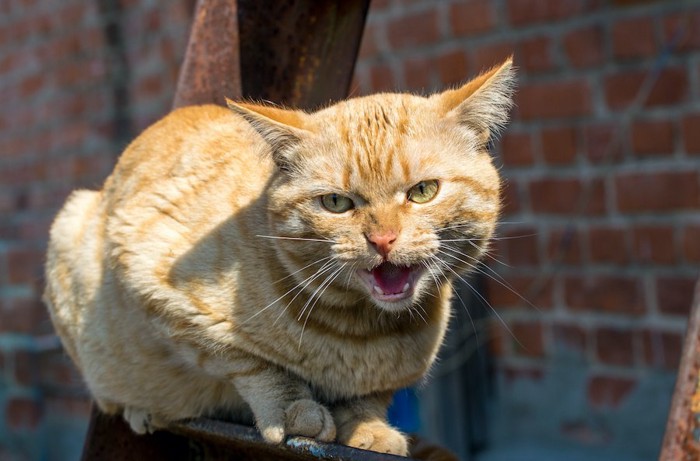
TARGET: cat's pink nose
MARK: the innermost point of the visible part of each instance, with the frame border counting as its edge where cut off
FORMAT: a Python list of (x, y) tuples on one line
[(383, 241)]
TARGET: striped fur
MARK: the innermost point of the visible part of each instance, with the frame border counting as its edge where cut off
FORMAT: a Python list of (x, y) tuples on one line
[(206, 277)]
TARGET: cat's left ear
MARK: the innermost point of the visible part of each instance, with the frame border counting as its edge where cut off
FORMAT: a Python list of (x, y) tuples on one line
[(281, 128), (482, 105)]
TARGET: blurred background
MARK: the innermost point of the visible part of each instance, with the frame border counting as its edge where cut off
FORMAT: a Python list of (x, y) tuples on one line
[(592, 275)]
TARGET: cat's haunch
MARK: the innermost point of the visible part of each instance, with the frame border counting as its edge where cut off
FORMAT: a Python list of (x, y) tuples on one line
[(285, 268)]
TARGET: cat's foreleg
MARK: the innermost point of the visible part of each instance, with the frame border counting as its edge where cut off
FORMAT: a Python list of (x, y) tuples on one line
[(362, 424), (283, 405)]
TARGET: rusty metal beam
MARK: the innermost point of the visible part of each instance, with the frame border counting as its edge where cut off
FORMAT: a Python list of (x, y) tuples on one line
[(682, 437), (299, 53), (210, 71), (111, 439)]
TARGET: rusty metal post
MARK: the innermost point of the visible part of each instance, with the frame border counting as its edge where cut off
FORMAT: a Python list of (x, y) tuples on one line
[(300, 53), (297, 53), (682, 437), (211, 68)]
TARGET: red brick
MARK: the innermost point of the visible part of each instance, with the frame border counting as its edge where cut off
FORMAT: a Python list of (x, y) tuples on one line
[(675, 295), (452, 67), (571, 337), (520, 248), (368, 46), (653, 137), (608, 245), (22, 315), (516, 149), (471, 17), (594, 201), (69, 405), (691, 133), (521, 12), (555, 195), (380, 4), (528, 339), (670, 88), (511, 199), (149, 87), (518, 292), (417, 73), (602, 143), (633, 38), (491, 54), (657, 191), (497, 344), (414, 29), (25, 265), (25, 368), (512, 374), (654, 244), (614, 294), (22, 413), (31, 85), (564, 246), (615, 346), (535, 54), (691, 243), (559, 145), (553, 100), (56, 368), (662, 349), (381, 78), (609, 391), (683, 30)]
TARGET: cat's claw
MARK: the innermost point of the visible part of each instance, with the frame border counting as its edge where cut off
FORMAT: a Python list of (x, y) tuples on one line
[(375, 436), (310, 419), (140, 420)]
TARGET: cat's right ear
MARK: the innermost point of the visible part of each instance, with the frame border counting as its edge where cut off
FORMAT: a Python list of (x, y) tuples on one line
[(281, 128)]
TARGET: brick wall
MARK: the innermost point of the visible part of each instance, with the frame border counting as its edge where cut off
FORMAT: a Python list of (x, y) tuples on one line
[(77, 81), (601, 225), (601, 231)]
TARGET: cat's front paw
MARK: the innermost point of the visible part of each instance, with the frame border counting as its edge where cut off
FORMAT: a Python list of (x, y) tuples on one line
[(308, 418), (375, 436)]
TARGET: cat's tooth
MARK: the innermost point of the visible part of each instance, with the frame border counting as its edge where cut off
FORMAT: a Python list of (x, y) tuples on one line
[(378, 290), (406, 287)]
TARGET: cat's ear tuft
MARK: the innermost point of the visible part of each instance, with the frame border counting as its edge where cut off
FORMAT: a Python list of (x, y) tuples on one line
[(281, 128), (483, 104)]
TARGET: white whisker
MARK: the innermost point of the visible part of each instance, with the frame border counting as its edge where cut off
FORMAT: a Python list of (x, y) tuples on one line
[(299, 270), (495, 276), (324, 285), (323, 269), (309, 278), (279, 237), (481, 297)]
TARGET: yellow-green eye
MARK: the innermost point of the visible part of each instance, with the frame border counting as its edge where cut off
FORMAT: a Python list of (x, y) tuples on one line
[(336, 203), (424, 191)]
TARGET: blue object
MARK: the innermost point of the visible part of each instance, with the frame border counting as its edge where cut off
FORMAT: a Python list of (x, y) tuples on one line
[(403, 412)]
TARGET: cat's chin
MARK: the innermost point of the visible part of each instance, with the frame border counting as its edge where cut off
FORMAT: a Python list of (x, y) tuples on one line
[(392, 287)]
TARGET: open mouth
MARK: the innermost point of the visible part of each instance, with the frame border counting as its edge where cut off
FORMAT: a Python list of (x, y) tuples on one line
[(389, 282)]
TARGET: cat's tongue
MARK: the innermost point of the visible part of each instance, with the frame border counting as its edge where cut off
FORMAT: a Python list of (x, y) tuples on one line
[(390, 278)]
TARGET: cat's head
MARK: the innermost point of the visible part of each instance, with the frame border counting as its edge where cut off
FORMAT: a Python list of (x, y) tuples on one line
[(385, 196)]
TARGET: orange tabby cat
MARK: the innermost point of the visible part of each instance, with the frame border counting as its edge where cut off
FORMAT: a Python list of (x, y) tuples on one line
[(285, 267)]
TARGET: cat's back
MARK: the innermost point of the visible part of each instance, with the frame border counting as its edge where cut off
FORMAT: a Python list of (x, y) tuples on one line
[(198, 143), (178, 180)]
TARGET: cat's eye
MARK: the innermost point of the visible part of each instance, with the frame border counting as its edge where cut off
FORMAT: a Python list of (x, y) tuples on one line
[(424, 191), (336, 203)]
